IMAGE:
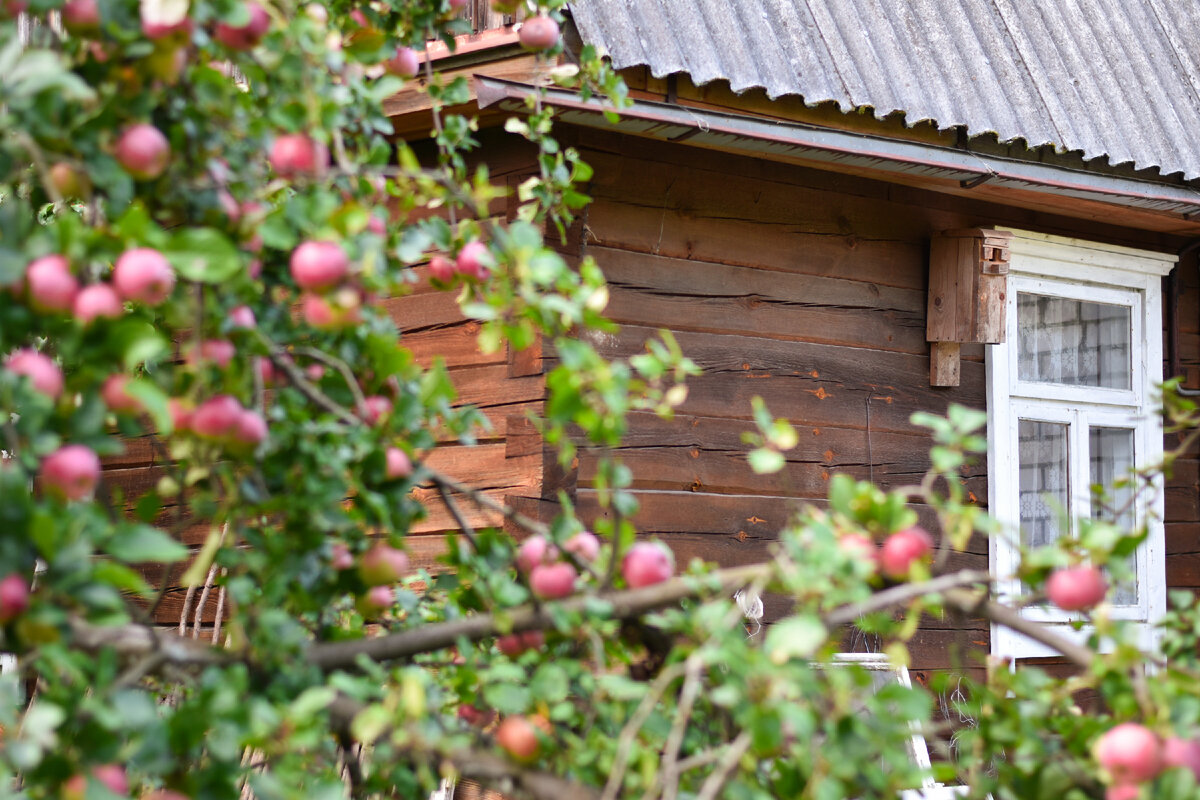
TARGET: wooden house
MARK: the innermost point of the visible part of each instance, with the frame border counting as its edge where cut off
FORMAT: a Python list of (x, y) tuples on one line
[(860, 209)]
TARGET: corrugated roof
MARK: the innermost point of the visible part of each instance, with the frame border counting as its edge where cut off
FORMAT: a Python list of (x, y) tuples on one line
[(1110, 78)]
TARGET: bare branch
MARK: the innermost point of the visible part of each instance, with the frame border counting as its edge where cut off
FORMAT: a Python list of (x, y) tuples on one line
[(716, 781)]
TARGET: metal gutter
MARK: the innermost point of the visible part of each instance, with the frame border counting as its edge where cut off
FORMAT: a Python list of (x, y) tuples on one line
[(759, 137)]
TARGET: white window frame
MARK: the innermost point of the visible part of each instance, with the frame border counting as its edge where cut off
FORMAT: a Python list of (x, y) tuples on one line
[(1089, 271)]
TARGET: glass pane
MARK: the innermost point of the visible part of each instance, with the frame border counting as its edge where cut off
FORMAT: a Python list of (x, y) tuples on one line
[(1042, 448), (1110, 451), (1073, 342)]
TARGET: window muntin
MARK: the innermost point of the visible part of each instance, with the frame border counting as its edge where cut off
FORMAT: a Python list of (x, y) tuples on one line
[(1044, 471)]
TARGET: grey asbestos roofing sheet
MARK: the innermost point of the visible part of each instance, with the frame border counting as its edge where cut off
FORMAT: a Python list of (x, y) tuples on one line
[(1118, 79)]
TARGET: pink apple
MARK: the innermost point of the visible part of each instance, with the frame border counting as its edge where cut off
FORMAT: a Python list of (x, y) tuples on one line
[(41, 370), (115, 396), (533, 551), (113, 778), (153, 29), (340, 557), (376, 599), (50, 283), (81, 16), (165, 794), (71, 472), (96, 301), (1129, 753), (858, 546), (212, 351), (12, 8), (1182, 753), (376, 226), (375, 408), (251, 429), (319, 265), (538, 33), (245, 37), (406, 63), (1076, 588), (242, 317), (314, 372), (382, 564), (181, 413), (552, 581), (441, 269), (216, 418), (475, 716), (584, 545), (518, 736), (474, 260), (455, 5), (143, 275), (327, 314), (1123, 791), (296, 155), (266, 370), (647, 563), (14, 597), (143, 151), (398, 464), (902, 549)]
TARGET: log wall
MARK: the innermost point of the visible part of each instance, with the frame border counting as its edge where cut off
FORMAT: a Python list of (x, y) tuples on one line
[(808, 289)]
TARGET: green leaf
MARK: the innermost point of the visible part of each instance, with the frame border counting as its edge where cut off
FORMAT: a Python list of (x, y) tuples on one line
[(155, 401), (765, 461), (140, 543), (138, 342), (508, 698), (204, 255), (310, 701), (797, 637)]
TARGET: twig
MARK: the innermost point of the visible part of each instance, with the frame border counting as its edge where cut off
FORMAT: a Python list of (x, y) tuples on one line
[(976, 603), (902, 593), (635, 723), (716, 781), (342, 367), (459, 519), (687, 699)]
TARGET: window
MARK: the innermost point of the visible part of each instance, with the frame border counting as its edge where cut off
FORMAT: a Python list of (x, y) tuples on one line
[(1069, 397)]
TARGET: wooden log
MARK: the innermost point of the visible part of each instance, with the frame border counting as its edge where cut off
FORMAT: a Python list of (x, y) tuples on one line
[(945, 363)]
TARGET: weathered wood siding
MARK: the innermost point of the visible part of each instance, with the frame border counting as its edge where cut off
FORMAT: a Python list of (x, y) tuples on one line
[(808, 289)]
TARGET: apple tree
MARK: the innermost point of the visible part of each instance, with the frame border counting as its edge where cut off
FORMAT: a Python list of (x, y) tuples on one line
[(201, 206)]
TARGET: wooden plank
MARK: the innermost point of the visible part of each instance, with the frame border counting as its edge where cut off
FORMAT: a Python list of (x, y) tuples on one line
[(812, 384), (705, 296), (945, 364), (455, 343)]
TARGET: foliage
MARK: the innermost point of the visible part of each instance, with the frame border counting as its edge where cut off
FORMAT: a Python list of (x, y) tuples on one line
[(318, 687)]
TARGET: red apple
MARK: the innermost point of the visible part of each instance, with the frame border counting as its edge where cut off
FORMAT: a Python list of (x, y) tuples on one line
[(474, 260), (161, 29), (584, 545), (441, 269), (514, 644), (376, 225), (165, 794), (534, 551), (314, 372), (1123, 791), (902, 549), (538, 33), (245, 37), (115, 396), (242, 317), (1077, 588), (326, 314), (406, 63), (375, 408), (1129, 753), (398, 464), (112, 777), (1184, 753), (319, 265), (143, 151), (50, 284), (455, 5), (41, 370), (552, 581), (71, 472), (68, 181), (143, 275), (81, 16), (858, 546), (647, 563), (382, 564), (12, 8), (475, 716), (95, 301), (518, 736), (340, 557), (216, 418), (14, 597), (251, 429), (295, 155)]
